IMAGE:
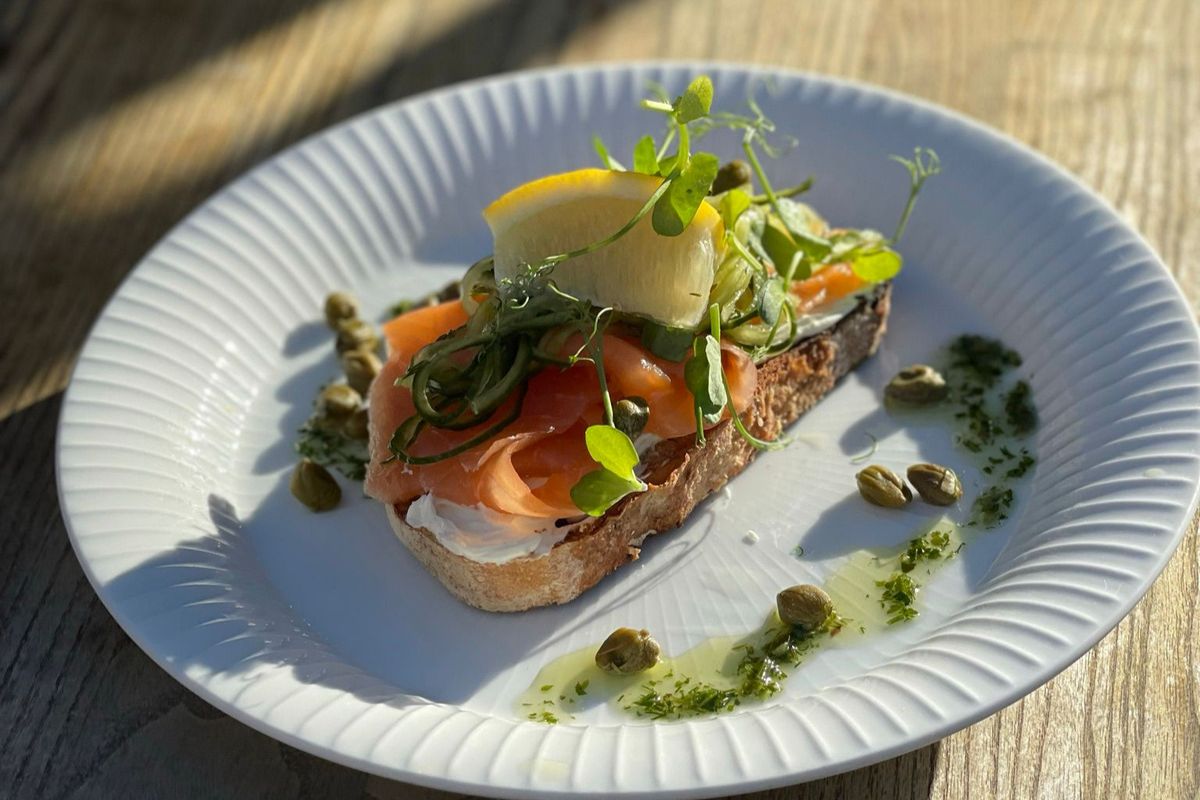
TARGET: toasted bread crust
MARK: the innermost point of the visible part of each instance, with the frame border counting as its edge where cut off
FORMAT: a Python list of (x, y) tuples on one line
[(679, 474)]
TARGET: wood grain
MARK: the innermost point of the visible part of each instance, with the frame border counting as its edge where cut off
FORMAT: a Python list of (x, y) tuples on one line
[(118, 116)]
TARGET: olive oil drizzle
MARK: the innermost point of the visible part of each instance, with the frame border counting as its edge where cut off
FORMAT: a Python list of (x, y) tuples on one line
[(722, 673), (716, 676)]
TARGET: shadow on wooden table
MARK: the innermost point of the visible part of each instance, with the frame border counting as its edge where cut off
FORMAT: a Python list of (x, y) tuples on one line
[(143, 109)]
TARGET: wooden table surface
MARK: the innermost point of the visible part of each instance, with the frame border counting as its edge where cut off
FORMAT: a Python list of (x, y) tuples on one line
[(118, 116)]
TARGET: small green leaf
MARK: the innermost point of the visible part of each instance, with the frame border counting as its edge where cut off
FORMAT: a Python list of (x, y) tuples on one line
[(733, 203), (795, 216), (797, 222), (923, 166), (876, 265), (599, 489), (847, 241), (696, 100), (771, 300), (645, 156), (612, 450), (675, 209), (607, 160), (704, 377), (596, 491), (672, 344), (785, 253)]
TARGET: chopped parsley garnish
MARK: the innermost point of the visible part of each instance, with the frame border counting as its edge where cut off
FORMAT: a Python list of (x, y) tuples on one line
[(332, 448), (760, 672), (1019, 410), (991, 416), (1022, 466), (992, 506), (924, 548), (581, 688), (983, 360), (686, 699), (899, 597)]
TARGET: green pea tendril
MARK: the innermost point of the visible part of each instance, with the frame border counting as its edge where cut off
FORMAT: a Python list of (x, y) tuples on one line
[(475, 378)]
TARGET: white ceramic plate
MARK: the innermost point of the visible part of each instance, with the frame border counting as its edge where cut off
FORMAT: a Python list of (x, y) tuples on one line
[(176, 440)]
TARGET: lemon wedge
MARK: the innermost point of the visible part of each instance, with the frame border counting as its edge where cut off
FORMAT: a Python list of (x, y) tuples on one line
[(663, 278)]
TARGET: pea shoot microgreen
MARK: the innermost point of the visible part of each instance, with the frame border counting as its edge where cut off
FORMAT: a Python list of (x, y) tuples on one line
[(599, 489), (475, 377), (921, 167), (607, 160), (645, 156), (688, 175), (688, 186), (703, 374)]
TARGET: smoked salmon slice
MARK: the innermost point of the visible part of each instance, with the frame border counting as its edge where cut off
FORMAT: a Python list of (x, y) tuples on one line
[(829, 285), (530, 467)]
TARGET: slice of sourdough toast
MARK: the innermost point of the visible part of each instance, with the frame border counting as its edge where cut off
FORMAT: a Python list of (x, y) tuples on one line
[(678, 473)]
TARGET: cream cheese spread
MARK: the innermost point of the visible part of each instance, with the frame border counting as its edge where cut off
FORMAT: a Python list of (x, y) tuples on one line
[(826, 317), (483, 534)]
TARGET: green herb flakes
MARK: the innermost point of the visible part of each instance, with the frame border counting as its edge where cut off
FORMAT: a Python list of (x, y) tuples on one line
[(983, 360), (899, 597), (1019, 410), (924, 548), (761, 673), (331, 447), (991, 507), (1023, 465)]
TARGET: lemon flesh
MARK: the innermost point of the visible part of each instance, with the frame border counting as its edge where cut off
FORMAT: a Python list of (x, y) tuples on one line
[(663, 278)]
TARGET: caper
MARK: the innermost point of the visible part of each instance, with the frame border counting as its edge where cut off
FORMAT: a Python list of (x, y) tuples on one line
[(312, 485), (626, 651), (354, 334), (881, 486), (805, 605), (731, 175), (936, 484), (337, 401), (355, 425), (361, 367), (630, 416), (339, 307), (919, 385)]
